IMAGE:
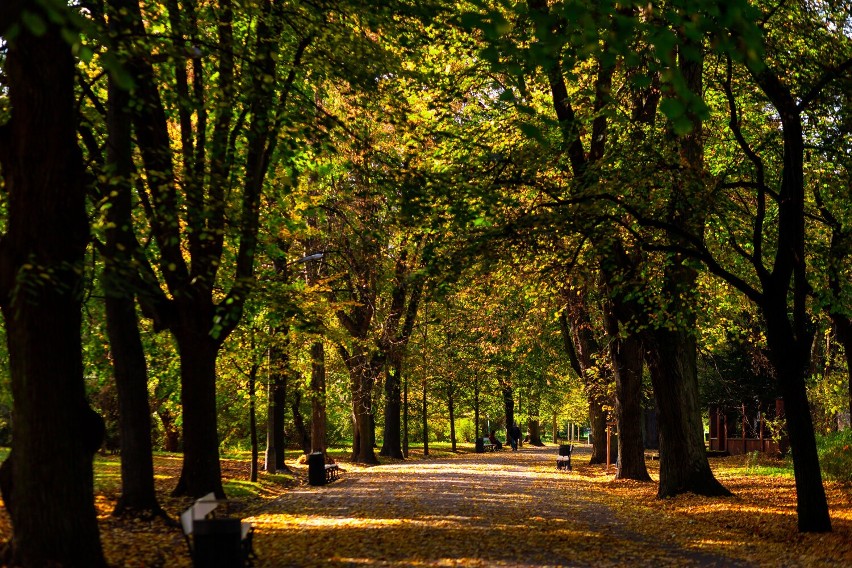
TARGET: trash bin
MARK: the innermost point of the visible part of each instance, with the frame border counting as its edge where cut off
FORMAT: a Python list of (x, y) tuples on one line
[(480, 446), (316, 468), (216, 543)]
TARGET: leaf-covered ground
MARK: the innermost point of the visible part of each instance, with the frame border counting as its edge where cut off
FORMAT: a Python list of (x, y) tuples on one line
[(497, 509), (515, 509)]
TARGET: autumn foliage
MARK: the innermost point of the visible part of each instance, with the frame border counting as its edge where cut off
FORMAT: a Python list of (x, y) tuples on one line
[(495, 509)]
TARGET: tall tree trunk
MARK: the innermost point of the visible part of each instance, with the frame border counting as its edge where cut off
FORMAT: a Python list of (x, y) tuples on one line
[(318, 419), (47, 479), (405, 417), (275, 447), (597, 423), (790, 356), (843, 325), (683, 457), (672, 353), (534, 427), (391, 443), (425, 422), (270, 463), (477, 433), (171, 434), (508, 408), (138, 494), (582, 347), (627, 357), (201, 472), (361, 379), (253, 421), (299, 421), (452, 409), (788, 325)]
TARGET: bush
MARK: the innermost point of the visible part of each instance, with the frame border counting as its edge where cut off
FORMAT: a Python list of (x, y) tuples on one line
[(835, 455)]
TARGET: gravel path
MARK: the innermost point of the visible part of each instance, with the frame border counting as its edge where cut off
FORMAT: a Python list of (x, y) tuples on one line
[(499, 509)]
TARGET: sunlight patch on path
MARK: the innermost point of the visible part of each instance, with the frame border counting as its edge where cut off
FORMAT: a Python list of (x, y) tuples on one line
[(503, 509)]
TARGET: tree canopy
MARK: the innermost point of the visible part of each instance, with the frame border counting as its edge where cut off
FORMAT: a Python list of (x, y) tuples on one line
[(411, 221)]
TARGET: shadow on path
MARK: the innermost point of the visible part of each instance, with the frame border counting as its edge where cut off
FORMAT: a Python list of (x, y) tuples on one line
[(496, 509)]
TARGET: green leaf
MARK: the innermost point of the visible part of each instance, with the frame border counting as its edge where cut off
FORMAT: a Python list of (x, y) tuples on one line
[(672, 108), (507, 95), (531, 131), (34, 23)]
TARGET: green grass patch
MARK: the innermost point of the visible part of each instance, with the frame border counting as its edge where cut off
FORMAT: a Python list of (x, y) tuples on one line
[(239, 488)]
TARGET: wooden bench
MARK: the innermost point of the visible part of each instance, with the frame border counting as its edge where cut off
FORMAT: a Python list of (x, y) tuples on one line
[(563, 460), (487, 445), (332, 472), (216, 541)]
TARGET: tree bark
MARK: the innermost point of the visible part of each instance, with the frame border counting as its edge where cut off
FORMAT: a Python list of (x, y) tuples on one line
[(201, 472), (138, 493), (843, 325), (582, 347), (299, 421), (534, 427), (683, 457), (425, 422), (51, 506), (269, 462), (361, 377), (318, 417), (171, 434), (253, 421), (789, 338), (391, 443), (405, 417), (597, 419), (508, 408), (275, 447), (627, 356), (452, 409), (672, 353)]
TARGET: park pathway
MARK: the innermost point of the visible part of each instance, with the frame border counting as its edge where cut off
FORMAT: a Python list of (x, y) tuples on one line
[(492, 510)]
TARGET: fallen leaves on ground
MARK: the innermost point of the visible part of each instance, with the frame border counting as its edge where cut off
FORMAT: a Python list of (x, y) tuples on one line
[(496, 509)]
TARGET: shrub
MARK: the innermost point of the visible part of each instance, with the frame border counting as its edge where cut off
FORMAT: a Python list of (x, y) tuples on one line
[(835, 455)]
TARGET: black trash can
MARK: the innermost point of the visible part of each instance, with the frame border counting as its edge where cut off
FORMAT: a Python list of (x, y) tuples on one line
[(480, 446), (216, 543), (316, 468)]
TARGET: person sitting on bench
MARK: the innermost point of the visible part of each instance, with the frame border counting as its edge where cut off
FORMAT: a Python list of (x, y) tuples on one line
[(493, 439)]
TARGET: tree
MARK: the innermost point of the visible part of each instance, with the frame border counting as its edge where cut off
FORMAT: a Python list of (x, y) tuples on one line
[(777, 277), (119, 280), (584, 353), (41, 256), (185, 193)]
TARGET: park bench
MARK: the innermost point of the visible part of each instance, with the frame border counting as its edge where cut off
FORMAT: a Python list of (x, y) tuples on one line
[(487, 445), (319, 472), (332, 472), (563, 460), (216, 541)]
